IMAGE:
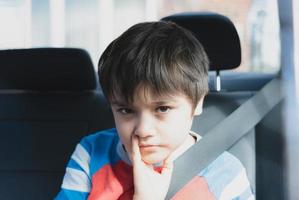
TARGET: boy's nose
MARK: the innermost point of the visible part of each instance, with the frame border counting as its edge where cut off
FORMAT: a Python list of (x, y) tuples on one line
[(144, 126)]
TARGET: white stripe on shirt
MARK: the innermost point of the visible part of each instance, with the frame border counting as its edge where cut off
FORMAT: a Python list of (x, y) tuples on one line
[(236, 187), (75, 179), (82, 158)]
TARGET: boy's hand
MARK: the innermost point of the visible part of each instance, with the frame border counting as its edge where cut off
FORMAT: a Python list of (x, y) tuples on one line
[(148, 183)]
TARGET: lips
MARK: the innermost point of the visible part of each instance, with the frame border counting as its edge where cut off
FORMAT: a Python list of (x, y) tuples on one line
[(147, 145)]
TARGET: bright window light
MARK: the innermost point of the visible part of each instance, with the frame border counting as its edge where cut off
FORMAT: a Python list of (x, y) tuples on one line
[(57, 23)]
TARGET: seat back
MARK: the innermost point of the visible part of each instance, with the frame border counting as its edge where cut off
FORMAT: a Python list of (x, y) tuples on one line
[(48, 101)]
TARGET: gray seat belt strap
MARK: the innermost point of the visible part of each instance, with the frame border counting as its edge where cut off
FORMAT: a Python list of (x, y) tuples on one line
[(224, 135)]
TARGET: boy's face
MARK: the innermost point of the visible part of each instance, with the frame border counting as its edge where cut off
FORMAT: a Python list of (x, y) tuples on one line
[(161, 123)]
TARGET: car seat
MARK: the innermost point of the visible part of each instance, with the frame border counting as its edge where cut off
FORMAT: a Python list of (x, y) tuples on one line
[(49, 100)]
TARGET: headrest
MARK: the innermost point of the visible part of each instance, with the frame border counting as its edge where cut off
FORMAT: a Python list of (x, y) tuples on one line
[(216, 33), (46, 69)]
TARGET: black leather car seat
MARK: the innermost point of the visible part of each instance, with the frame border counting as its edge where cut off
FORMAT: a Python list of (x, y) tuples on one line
[(49, 99)]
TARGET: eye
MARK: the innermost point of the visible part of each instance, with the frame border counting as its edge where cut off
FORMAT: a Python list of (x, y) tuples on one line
[(125, 111), (163, 109)]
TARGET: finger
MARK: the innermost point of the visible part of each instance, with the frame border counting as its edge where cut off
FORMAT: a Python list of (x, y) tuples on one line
[(136, 157)]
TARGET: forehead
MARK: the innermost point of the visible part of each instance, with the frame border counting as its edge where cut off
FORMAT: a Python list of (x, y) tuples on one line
[(147, 95)]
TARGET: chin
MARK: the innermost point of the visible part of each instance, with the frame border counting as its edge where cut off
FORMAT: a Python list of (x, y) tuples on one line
[(153, 159)]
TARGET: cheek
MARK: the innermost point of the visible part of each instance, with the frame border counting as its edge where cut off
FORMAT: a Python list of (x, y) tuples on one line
[(181, 120), (178, 128), (125, 131)]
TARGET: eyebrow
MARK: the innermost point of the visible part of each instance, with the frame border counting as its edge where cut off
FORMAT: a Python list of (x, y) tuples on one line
[(122, 103), (118, 103), (163, 102)]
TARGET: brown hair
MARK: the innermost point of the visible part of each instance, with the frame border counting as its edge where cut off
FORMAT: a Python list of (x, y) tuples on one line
[(160, 55)]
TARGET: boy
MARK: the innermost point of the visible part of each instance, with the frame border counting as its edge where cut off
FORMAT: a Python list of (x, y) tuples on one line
[(155, 76)]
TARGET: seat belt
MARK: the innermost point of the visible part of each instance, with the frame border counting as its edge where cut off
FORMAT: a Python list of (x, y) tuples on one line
[(224, 135)]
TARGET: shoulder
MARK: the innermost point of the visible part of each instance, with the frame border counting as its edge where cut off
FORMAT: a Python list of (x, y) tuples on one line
[(226, 177), (92, 153), (96, 150), (104, 139)]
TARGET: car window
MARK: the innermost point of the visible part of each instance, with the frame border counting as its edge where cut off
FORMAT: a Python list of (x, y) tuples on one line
[(92, 25), (256, 23)]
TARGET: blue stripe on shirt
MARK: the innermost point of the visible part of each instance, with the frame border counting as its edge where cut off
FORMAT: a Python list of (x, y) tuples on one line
[(73, 164), (65, 194), (101, 146)]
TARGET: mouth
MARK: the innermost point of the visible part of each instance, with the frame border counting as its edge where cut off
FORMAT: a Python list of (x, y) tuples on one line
[(148, 147)]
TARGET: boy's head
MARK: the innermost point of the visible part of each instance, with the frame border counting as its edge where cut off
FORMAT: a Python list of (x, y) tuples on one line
[(159, 55), (154, 75)]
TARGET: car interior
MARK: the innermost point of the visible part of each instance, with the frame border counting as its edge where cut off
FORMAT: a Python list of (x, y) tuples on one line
[(50, 98), (257, 152)]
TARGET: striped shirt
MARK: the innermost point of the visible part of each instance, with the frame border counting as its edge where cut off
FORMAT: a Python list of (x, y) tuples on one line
[(99, 169)]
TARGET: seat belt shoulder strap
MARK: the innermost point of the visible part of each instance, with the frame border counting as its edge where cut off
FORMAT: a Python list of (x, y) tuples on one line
[(224, 135)]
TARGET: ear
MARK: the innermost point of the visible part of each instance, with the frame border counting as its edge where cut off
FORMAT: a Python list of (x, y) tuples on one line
[(198, 108)]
